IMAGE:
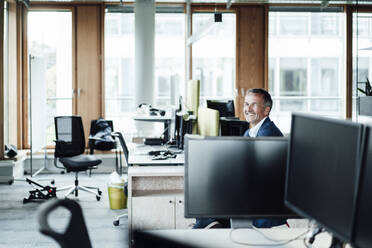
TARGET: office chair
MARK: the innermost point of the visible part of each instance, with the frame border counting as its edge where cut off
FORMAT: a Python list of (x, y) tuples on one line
[(100, 144), (124, 148), (99, 128), (76, 233), (70, 146)]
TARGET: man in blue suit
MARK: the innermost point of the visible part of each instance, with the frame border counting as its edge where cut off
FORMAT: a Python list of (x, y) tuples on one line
[(257, 107)]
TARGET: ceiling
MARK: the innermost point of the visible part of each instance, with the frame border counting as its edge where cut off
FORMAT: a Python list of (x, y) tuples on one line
[(320, 2)]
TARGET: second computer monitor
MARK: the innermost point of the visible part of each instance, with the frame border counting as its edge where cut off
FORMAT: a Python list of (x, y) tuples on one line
[(235, 177), (363, 218), (233, 127), (322, 171), (226, 108)]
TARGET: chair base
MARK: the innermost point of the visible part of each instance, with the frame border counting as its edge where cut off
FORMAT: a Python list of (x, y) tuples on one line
[(116, 222), (74, 189)]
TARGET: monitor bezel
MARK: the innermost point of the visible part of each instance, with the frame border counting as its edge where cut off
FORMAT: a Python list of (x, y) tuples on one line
[(189, 138), (303, 213), (367, 135)]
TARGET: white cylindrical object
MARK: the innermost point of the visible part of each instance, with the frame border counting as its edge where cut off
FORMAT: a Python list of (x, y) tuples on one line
[(144, 59), (144, 16)]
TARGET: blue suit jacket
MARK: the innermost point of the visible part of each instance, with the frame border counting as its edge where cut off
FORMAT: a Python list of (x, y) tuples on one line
[(268, 128)]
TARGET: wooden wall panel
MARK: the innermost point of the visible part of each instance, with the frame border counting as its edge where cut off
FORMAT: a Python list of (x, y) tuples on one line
[(349, 62), (12, 74), (251, 58), (88, 63), (1, 80), (19, 48)]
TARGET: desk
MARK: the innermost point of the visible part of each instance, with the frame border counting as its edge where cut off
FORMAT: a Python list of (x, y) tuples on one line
[(219, 238), (147, 160), (139, 156), (155, 192), (165, 120)]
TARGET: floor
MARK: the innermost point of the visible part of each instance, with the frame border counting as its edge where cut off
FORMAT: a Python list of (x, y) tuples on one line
[(19, 225)]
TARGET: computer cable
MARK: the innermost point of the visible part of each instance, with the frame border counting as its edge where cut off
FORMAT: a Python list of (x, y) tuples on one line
[(278, 242), (309, 240), (275, 240)]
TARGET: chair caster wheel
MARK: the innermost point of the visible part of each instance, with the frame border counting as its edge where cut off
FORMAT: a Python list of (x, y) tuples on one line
[(99, 192), (115, 222), (98, 198), (10, 182), (52, 182)]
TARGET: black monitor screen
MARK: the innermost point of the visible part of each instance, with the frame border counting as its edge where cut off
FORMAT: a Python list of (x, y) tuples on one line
[(235, 177), (363, 218), (225, 108), (322, 171), (182, 127), (232, 127)]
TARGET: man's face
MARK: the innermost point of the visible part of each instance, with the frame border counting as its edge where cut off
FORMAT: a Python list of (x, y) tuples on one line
[(254, 109)]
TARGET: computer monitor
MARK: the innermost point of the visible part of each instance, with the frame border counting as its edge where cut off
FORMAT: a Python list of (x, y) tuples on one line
[(226, 108), (323, 161), (183, 125), (232, 127), (363, 215), (235, 177)]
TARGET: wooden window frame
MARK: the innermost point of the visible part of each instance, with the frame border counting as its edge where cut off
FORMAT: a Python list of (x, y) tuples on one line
[(25, 88)]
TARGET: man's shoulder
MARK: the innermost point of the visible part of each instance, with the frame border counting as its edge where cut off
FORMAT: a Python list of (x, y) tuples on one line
[(269, 128)]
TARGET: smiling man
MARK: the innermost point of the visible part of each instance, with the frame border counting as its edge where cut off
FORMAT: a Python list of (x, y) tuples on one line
[(257, 107)]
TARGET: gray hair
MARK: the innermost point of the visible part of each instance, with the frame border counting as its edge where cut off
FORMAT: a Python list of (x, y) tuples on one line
[(268, 102)]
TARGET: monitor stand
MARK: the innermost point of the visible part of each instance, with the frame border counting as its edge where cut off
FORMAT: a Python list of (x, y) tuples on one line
[(241, 223), (336, 243)]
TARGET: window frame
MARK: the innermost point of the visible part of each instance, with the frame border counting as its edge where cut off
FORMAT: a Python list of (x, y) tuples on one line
[(25, 68)]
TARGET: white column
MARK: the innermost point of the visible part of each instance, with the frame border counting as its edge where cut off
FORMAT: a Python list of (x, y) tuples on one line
[(144, 60), (144, 16)]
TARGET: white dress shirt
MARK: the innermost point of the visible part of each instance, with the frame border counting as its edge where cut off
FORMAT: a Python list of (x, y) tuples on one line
[(254, 130)]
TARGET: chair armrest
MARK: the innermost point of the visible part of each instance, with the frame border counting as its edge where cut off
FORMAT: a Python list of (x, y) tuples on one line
[(95, 138)]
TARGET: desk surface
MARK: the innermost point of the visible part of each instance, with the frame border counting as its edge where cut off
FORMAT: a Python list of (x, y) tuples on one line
[(156, 171), (153, 118), (148, 160), (222, 238), (139, 156)]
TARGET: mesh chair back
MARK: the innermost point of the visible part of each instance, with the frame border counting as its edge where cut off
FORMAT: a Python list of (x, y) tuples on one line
[(70, 136), (123, 145)]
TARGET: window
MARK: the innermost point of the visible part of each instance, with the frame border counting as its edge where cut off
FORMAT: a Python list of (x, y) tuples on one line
[(213, 56), (362, 61), (169, 57), (293, 24), (50, 45), (325, 24), (306, 64), (119, 63)]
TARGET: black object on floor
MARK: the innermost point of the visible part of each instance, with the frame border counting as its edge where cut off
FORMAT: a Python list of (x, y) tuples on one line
[(76, 233), (44, 193)]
